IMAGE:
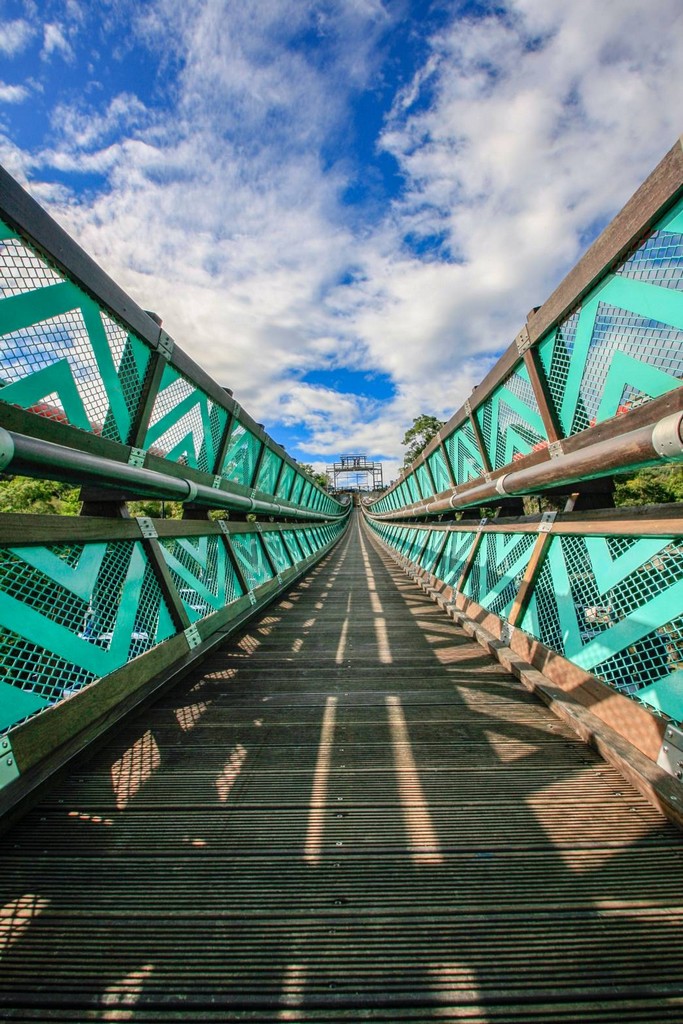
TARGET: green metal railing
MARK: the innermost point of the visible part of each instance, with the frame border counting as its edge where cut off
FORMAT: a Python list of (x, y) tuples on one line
[(591, 384), (97, 611), (604, 591)]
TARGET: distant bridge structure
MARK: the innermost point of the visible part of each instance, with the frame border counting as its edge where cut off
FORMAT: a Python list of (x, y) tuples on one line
[(356, 472)]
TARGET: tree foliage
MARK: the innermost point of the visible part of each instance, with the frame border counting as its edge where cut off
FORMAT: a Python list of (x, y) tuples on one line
[(322, 479), (38, 497), (656, 485), (419, 435)]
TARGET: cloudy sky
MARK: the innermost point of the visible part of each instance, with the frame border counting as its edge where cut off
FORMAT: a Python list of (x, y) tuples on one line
[(343, 209)]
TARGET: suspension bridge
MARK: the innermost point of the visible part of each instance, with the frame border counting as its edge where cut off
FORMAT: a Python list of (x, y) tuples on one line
[(291, 758)]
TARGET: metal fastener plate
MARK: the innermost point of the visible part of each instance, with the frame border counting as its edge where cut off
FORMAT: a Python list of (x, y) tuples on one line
[(671, 752), (546, 523), (217, 481), (252, 597), (137, 457), (555, 449), (8, 765), (192, 636), (147, 528), (523, 341), (165, 345), (225, 526)]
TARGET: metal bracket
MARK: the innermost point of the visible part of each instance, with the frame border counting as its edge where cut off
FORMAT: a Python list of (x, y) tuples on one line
[(137, 457), (279, 578), (165, 345), (252, 597), (555, 449), (192, 636), (147, 528), (546, 523), (259, 527), (468, 407), (671, 752), (506, 632), (482, 524), (217, 481), (523, 341), (224, 526), (8, 765)]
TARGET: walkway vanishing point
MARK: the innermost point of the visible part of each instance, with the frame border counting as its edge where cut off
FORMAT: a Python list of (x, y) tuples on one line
[(350, 812)]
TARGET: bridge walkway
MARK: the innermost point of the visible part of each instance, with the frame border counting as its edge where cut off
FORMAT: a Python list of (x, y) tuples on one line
[(349, 813)]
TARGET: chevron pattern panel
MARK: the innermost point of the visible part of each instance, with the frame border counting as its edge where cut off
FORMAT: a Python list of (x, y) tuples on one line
[(463, 453), (497, 570), (609, 604), (72, 613), (624, 346), (510, 420), (61, 355), (437, 464), (202, 572), (185, 425), (606, 603)]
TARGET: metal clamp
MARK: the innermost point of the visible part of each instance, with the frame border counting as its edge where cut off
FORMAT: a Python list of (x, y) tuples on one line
[(555, 449), (217, 481), (252, 597), (165, 345), (192, 636), (8, 765), (468, 407), (546, 523), (224, 526), (147, 527), (671, 752), (506, 632), (482, 524), (137, 457)]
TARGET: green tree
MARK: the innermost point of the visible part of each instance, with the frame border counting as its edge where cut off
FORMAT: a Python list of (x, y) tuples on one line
[(322, 479), (39, 497), (655, 485), (419, 435)]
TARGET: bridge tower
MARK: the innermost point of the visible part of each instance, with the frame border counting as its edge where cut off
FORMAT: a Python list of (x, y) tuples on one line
[(359, 473)]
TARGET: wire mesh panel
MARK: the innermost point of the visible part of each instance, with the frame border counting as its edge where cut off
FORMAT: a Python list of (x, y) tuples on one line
[(240, 460), (202, 572), (185, 425), (286, 480), (270, 467), (624, 346), (437, 464), (290, 539), (298, 487), (608, 607), (70, 614), (252, 559), (61, 355), (510, 420), (434, 543), (277, 551), (497, 570), (464, 454), (454, 557)]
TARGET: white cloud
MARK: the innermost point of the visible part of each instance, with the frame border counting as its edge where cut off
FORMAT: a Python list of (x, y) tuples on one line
[(517, 135), (15, 36), (55, 41), (13, 93)]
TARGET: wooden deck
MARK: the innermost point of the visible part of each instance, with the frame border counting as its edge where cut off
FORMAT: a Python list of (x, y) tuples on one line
[(350, 814)]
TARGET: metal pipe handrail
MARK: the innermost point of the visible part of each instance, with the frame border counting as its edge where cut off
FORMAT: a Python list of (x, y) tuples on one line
[(649, 444), (32, 456)]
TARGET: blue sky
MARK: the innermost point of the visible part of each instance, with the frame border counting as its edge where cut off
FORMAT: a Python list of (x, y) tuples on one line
[(343, 209)]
